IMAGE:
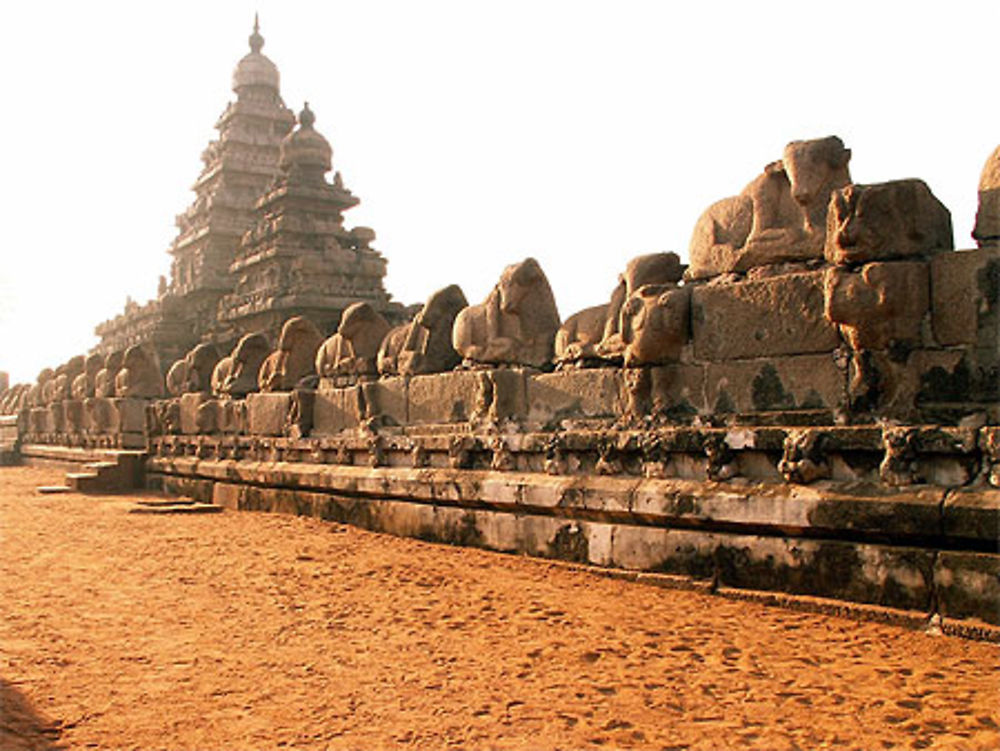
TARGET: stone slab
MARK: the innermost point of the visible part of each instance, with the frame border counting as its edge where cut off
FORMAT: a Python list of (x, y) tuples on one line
[(678, 391), (968, 585), (574, 394), (335, 411), (965, 297), (973, 514), (875, 574), (189, 405), (781, 315), (386, 399), (444, 397), (267, 413), (779, 384), (131, 415)]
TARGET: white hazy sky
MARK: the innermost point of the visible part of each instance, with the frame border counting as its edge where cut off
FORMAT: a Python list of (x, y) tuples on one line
[(475, 133)]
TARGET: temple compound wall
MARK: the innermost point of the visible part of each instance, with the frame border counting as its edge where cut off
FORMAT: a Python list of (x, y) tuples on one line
[(809, 406)]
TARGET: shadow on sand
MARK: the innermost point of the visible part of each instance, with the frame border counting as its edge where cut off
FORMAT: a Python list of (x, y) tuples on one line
[(21, 727)]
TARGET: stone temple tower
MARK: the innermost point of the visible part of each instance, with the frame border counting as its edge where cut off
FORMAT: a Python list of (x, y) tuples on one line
[(264, 239), (298, 258), (238, 167)]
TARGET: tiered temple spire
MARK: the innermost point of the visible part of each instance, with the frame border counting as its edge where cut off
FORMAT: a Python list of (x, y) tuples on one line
[(298, 258), (260, 180)]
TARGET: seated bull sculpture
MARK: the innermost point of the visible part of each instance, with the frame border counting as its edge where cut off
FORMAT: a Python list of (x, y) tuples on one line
[(36, 394), (779, 217), (424, 344), (294, 358), (193, 372), (987, 229), (236, 374), (595, 334), (104, 381), (655, 324), (515, 325), (353, 350), (62, 385), (83, 385), (140, 375)]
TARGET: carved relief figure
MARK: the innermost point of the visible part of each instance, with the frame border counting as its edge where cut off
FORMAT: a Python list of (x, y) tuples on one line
[(294, 358), (779, 217), (515, 325), (424, 345), (353, 350)]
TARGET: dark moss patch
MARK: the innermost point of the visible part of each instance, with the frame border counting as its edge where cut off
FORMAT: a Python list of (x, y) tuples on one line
[(724, 402), (570, 544), (768, 393)]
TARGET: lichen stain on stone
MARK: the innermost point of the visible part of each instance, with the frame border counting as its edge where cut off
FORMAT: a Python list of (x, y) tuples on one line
[(570, 544), (768, 393)]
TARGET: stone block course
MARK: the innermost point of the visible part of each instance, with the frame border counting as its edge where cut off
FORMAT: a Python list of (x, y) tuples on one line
[(781, 315)]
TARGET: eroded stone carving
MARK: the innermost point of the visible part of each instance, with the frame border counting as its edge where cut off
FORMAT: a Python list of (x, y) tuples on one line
[(779, 217), (295, 357), (236, 374), (880, 305), (596, 334), (352, 351), (424, 345), (140, 375), (193, 372), (515, 325), (84, 385), (987, 229), (899, 464), (104, 381), (655, 324), (805, 459), (65, 376), (888, 221)]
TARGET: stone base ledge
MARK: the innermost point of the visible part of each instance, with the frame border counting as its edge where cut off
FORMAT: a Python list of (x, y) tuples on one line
[(853, 543)]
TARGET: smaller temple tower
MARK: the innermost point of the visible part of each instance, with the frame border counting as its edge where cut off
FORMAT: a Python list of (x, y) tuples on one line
[(298, 258)]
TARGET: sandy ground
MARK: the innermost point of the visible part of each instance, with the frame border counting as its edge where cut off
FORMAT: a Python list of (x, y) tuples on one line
[(252, 631)]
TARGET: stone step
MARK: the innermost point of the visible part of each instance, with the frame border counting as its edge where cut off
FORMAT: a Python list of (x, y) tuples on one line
[(52, 489), (86, 482), (177, 508)]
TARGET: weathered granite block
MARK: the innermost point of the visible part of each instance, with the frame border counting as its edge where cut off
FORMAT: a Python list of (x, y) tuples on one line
[(968, 585), (877, 574), (131, 415), (965, 297), (101, 415), (268, 413), (496, 394), (780, 315), (973, 513), (189, 406), (803, 382), (574, 394), (74, 416), (444, 397), (678, 391), (386, 399), (336, 410)]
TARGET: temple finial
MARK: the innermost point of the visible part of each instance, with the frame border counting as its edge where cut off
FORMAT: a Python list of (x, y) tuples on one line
[(306, 117), (256, 40)]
